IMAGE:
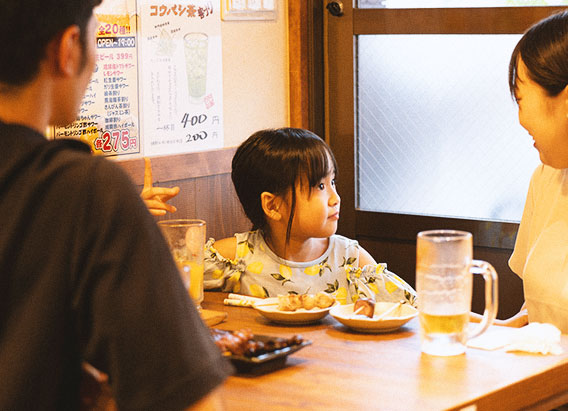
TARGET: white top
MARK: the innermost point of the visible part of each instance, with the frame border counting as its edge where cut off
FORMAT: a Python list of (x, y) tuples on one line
[(540, 256)]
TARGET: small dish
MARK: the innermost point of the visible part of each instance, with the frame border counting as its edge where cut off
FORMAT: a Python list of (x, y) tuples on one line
[(362, 323), (265, 362), (269, 309)]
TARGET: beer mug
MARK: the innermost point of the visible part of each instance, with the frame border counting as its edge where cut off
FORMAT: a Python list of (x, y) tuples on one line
[(444, 280)]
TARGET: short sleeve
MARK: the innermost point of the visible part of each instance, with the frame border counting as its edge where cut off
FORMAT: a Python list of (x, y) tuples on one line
[(383, 284), (522, 242), (220, 272), (135, 319)]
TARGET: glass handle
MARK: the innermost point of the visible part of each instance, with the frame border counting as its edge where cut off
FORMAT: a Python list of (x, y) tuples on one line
[(491, 295)]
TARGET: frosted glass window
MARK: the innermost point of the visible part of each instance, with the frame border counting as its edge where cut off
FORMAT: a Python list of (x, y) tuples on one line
[(421, 4), (437, 130)]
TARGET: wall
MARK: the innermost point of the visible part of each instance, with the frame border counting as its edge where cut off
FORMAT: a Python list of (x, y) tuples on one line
[(255, 96), (255, 75)]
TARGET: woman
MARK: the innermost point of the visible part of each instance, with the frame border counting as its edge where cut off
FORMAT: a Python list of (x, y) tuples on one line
[(538, 80)]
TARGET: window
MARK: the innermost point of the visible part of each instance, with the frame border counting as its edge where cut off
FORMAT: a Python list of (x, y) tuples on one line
[(432, 130), (437, 129)]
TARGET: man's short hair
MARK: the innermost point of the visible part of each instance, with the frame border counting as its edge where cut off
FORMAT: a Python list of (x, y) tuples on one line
[(27, 26)]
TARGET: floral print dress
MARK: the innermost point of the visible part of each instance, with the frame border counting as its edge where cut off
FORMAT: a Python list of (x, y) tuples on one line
[(255, 270)]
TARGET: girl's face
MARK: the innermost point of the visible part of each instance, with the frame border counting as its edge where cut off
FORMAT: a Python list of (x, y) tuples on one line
[(317, 211), (544, 117)]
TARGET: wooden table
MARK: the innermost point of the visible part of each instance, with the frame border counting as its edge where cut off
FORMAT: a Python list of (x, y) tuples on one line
[(352, 371)]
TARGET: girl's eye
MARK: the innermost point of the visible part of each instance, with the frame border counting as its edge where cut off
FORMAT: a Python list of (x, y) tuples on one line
[(321, 186), (333, 182)]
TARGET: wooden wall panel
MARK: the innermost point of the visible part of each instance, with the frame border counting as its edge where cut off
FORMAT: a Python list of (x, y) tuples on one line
[(222, 209), (210, 198), (206, 189), (182, 166)]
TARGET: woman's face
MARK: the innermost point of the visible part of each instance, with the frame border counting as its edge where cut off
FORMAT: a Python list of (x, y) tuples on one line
[(544, 117)]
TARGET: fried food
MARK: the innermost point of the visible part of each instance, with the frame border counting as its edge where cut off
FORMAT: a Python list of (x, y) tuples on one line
[(290, 302), (293, 302), (324, 300), (365, 306), (242, 342), (308, 301)]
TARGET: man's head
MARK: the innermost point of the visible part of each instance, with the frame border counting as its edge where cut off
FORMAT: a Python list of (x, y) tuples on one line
[(28, 26)]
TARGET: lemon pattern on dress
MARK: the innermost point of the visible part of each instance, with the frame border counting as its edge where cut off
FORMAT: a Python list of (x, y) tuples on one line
[(234, 282), (338, 292), (261, 274), (258, 291), (318, 269), (255, 268), (283, 275), (243, 248)]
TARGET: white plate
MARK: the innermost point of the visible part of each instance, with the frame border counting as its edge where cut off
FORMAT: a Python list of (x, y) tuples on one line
[(269, 309), (362, 323)]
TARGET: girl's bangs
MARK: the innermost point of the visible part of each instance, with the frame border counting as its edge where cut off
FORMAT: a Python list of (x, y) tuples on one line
[(318, 163)]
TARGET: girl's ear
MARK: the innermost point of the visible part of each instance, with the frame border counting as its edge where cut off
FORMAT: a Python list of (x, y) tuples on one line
[(271, 205)]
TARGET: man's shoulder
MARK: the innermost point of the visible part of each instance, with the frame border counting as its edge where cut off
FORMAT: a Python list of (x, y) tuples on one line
[(74, 158)]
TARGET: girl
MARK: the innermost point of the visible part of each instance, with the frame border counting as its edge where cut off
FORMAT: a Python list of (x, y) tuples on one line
[(538, 80), (285, 181)]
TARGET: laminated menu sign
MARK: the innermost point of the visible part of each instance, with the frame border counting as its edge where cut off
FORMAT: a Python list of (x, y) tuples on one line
[(181, 70), (157, 84), (108, 115)]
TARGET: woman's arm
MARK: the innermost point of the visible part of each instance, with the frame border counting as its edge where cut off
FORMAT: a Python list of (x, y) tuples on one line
[(518, 320)]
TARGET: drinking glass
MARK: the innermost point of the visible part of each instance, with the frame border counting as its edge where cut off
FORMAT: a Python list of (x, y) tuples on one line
[(195, 46), (186, 239), (444, 268)]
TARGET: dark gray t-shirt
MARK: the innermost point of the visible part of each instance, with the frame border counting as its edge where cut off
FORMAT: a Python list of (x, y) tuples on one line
[(85, 275)]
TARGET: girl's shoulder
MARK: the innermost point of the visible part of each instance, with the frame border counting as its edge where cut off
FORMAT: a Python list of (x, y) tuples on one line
[(351, 248), (227, 247), (338, 240)]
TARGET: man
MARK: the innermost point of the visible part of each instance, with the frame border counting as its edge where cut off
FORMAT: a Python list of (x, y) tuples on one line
[(85, 274)]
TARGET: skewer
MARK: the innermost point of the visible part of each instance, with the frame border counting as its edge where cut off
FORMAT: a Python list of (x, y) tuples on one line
[(357, 311), (390, 310)]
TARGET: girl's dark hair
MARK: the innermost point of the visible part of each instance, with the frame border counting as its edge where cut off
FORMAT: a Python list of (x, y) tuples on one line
[(544, 50), (274, 160)]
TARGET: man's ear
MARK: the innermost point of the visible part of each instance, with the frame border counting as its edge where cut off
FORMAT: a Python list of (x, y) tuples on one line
[(271, 205), (68, 51)]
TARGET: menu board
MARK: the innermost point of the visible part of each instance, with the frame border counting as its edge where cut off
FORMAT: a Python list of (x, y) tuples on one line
[(157, 84), (180, 45)]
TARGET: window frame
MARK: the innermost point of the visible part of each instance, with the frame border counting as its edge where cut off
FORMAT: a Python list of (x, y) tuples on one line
[(340, 42)]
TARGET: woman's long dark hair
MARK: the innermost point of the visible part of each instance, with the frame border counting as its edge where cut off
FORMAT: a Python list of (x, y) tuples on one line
[(544, 51), (274, 160)]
